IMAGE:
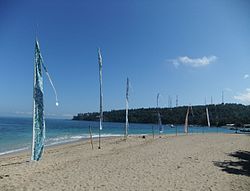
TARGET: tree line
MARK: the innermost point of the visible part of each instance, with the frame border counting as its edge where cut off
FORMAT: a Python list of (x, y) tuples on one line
[(220, 115)]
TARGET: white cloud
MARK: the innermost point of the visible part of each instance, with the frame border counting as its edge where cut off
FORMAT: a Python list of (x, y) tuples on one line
[(193, 62), (244, 97), (246, 76)]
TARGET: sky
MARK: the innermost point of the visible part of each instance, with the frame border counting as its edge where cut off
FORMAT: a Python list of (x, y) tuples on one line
[(195, 49)]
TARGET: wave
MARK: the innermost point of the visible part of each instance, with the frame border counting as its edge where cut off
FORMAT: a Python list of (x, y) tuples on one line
[(14, 151), (71, 138), (61, 140), (106, 135)]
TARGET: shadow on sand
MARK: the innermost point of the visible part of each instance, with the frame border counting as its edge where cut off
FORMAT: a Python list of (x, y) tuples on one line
[(241, 166)]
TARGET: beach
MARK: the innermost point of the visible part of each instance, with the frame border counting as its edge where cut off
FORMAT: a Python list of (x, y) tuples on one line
[(184, 162)]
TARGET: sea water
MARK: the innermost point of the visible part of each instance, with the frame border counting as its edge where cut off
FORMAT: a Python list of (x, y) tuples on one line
[(16, 133)]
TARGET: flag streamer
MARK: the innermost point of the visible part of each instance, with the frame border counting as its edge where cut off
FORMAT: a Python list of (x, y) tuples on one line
[(38, 110), (208, 120), (101, 95), (38, 138), (54, 89), (100, 80), (127, 103), (186, 122)]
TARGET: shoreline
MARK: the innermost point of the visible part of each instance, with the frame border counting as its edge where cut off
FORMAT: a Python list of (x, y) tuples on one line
[(85, 141), (80, 141), (26, 149), (53, 146)]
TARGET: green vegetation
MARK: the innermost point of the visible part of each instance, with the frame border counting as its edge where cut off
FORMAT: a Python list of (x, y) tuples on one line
[(220, 115)]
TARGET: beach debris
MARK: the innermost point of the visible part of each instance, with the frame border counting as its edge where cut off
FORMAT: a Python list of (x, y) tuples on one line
[(4, 176)]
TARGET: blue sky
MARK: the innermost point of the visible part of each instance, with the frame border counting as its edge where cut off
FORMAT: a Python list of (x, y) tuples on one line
[(193, 49)]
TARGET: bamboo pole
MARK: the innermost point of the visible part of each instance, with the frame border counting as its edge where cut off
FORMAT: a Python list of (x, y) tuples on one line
[(99, 147), (125, 135), (125, 138), (91, 138), (153, 131)]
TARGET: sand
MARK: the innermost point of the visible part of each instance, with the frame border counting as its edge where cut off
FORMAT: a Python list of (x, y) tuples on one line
[(193, 162)]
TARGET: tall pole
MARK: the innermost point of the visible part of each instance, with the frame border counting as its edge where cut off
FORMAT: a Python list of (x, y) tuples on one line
[(170, 102), (153, 131), (99, 147), (176, 130), (159, 116), (91, 139), (222, 97), (176, 100)]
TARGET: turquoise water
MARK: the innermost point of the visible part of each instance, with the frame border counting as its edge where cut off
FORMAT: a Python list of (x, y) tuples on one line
[(16, 133)]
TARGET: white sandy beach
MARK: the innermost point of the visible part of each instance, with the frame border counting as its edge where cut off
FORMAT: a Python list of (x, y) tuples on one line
[(193, 162)]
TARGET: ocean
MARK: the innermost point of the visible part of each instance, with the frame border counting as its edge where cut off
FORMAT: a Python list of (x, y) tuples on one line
[(16, 133)]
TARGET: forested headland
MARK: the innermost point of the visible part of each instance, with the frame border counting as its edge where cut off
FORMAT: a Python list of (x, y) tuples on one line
[(220, 115)]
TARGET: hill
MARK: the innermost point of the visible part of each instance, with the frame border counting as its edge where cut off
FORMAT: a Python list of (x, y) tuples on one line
[(220, 115)]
